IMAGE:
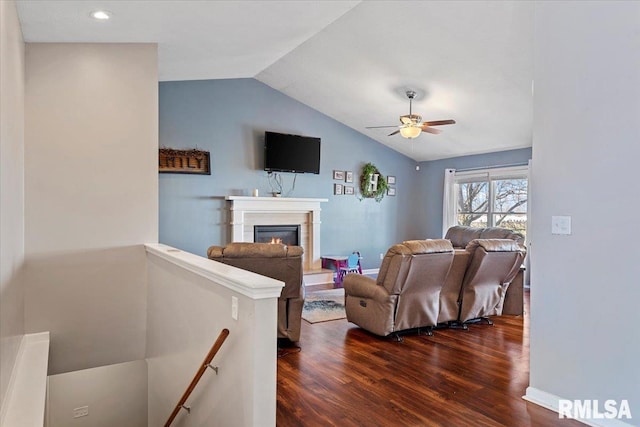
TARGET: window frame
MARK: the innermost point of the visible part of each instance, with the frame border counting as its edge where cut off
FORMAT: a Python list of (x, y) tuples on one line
[(490, 175)]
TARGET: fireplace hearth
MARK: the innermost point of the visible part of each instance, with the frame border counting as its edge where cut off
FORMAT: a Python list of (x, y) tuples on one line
[(286, 234)]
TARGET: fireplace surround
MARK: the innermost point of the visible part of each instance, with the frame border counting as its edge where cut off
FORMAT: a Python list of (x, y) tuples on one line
[(247, 212)]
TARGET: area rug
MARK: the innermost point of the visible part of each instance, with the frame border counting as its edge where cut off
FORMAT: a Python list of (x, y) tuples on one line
[(325, 305)]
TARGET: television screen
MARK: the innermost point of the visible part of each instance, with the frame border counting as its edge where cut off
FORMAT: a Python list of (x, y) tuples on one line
[(291, 153)]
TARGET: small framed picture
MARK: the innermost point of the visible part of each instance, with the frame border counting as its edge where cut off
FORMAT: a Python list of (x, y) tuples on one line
[(338, 175), (391, 180), (349, 189), (348, 177), (337, 189), (391, 191)]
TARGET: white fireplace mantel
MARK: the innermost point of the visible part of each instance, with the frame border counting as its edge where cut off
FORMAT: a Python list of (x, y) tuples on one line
[(249, 211)]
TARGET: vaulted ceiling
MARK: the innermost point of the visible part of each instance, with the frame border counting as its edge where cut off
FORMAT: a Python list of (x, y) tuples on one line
[(352, 60)]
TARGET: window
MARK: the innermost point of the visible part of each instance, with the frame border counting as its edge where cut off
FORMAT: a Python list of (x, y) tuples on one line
[(491, 198)]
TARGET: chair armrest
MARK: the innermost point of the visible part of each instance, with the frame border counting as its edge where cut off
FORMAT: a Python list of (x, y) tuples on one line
[(358, 285)]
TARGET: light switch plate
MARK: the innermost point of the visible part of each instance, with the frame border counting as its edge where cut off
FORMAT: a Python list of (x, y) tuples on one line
[(561, 225)]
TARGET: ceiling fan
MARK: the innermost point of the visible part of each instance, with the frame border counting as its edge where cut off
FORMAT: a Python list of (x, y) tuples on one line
[(412, 124)]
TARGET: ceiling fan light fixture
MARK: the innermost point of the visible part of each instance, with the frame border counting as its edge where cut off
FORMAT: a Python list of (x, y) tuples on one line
[(411, 125), (410, 132)]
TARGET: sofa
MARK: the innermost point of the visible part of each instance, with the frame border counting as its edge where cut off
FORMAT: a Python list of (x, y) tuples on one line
[(406, 293), (460, 236), (280, 262)]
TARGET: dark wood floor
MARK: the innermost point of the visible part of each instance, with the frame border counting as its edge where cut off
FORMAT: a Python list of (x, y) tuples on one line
[(346, 377)]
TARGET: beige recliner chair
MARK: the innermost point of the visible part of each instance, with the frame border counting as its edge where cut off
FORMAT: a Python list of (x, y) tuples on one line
[(492, 266), (461, 235), (279, 262), (406, 293)]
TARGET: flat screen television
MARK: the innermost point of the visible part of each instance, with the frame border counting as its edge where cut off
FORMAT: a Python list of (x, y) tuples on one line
[(291, 153)]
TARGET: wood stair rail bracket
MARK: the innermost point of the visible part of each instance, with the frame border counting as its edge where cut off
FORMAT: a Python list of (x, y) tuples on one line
[(205, 364)]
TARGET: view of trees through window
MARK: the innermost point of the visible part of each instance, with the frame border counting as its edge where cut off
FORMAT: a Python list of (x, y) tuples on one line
[(493, 202)]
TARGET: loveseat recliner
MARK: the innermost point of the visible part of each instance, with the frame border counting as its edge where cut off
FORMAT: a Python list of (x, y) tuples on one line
[(424, 284), (278, 261)]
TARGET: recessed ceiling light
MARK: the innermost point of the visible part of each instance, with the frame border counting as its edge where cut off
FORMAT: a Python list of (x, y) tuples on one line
[(101, 15)]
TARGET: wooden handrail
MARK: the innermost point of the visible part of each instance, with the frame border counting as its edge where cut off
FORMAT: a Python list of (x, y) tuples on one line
[(207, 360)]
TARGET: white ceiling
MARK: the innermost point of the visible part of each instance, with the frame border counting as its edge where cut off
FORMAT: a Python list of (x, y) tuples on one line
[(468, 60)]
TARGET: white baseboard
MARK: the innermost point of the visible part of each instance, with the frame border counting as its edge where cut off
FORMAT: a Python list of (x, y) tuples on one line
[(550, 401)]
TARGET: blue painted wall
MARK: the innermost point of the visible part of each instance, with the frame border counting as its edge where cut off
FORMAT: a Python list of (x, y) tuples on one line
[(228, 118), (432, 182)]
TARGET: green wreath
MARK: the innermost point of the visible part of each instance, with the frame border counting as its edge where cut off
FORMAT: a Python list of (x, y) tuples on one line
[(377, 194)]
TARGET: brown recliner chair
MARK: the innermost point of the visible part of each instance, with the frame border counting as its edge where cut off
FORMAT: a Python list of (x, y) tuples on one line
[(406, 293), (492, 266), (279, 262), (461, 235)]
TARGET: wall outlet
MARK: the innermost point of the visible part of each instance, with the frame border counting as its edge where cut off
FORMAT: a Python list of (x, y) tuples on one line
[(234, 308), (381, 255), (82, 411)]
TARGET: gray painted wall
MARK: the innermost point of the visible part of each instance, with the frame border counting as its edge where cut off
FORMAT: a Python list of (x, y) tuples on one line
[(116, 395), (93, 106), (12, 81), (432, 182), (228, 118), (584, 343)]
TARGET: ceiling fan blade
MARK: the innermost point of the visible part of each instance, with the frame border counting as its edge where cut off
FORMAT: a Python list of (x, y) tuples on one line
[(440, 122), (393, 133), (431, 130), (380, 127)]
